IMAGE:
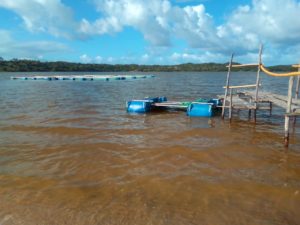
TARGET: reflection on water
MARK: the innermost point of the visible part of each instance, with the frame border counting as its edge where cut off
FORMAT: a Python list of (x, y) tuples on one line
[(70, 154)]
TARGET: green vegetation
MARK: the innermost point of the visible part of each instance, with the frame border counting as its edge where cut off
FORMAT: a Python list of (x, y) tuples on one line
[(17, 65)]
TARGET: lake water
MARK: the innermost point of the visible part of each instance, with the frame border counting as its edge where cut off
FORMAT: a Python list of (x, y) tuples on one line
[(71, 154)]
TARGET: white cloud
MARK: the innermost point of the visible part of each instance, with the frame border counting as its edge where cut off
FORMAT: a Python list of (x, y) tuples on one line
[(98, 59), (10, 48), (44, 16), (85, 58), (273, 22), (147, 17), (150, 59), (205, 57), (267, 21)]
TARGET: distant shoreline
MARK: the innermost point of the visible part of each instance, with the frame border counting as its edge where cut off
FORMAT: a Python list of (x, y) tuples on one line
[(17, 65)]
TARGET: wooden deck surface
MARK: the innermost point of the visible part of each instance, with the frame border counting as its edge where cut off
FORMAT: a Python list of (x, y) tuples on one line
[(276, 99), (245, 100)]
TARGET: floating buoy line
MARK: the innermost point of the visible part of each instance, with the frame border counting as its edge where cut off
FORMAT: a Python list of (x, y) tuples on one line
[(84, 77)]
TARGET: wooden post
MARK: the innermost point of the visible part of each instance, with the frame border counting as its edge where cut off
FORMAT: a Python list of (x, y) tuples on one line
[(297, 86), (230, 105), (227, 85), (297, 93), (249, 114), (288, 110), (257, 80)]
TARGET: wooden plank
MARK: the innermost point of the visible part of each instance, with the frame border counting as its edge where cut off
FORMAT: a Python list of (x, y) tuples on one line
[(258, 73), (174, 105), (230, 104), (263, 108), (243, 107), (227, 85), (293, 114), (297, 86), (241, 86), (288, 110), (276, 99), (244, 65)]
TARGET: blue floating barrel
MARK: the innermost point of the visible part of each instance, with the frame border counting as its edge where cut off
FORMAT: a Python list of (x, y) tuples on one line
[(216, 101), (139, 106), (156, 99), (200, 109), (162, 99), (152, 99)]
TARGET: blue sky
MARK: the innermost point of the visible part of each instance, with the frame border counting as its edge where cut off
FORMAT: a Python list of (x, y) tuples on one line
[(150, 32)]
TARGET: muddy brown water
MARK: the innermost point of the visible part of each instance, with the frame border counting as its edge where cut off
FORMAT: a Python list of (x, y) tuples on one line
[(70, 154)]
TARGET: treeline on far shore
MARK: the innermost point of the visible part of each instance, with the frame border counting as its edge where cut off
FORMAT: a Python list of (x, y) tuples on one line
[(21, 65)]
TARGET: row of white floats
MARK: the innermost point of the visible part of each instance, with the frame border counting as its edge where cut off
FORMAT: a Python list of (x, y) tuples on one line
[(84, 77)]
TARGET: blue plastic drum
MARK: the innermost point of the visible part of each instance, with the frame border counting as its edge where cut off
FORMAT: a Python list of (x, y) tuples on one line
[(200, 109), (139, 106)]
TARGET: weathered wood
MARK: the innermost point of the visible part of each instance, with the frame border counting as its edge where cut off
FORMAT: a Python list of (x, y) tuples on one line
[(244, 65), (230, 108), (298, 82), (276, 99), (293, 114), (227, 85), (241, 86), (169, 104), (258, 73), (297, 87), (288, 110)]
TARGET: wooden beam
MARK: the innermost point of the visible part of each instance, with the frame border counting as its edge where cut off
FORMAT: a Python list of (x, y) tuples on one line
[(227, 85), (258, 73), (244, 65), (230, 104), (241, 86), (297, 85), (288, 111)]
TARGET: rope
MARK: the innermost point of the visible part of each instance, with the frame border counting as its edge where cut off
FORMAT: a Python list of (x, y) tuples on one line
[(278, 74)]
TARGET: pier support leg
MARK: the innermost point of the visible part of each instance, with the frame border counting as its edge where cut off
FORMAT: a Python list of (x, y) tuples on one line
[(288, 110), (254, 115), (249, 114), (227, 85), (230, 106), (286, 131), (297, 86)]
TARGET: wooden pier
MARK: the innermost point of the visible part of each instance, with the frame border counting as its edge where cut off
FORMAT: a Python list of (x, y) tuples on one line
[(241, 98)]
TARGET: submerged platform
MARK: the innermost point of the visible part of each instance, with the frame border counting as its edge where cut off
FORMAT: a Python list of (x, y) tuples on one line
[(83, 77), (200, 107)]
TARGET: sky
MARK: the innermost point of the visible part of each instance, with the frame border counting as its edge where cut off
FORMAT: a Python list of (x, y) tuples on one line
[(150, 31)]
